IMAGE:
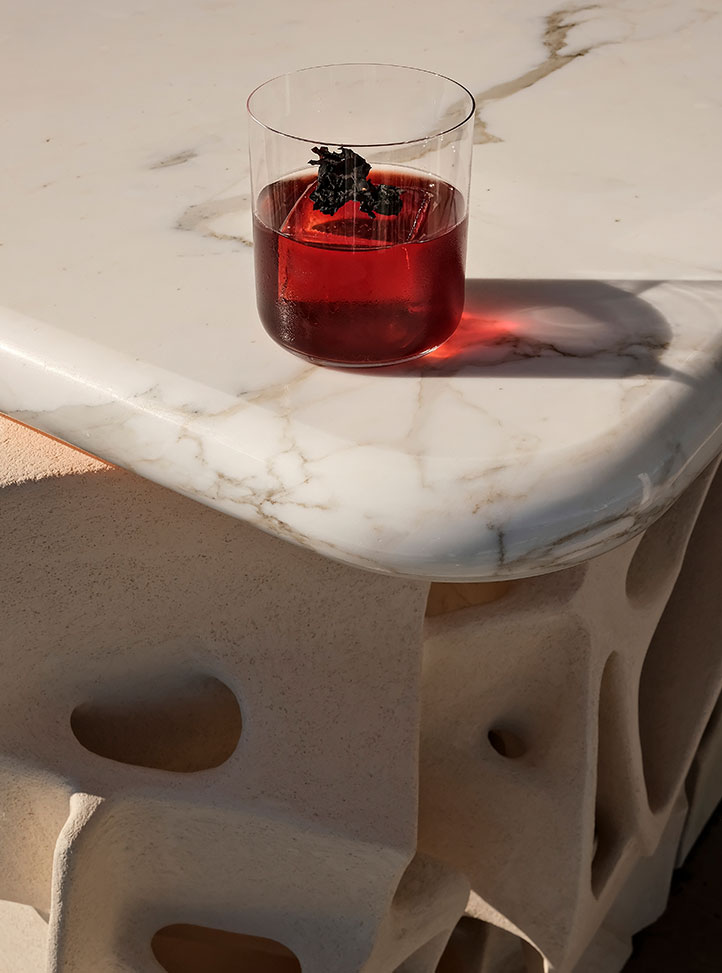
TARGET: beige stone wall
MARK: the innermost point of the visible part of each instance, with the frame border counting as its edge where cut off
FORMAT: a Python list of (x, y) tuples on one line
[(217, 749)]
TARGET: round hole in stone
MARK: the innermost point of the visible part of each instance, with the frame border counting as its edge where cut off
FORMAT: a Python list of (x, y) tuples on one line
[(182, 722), (186, 948), (506, 742)]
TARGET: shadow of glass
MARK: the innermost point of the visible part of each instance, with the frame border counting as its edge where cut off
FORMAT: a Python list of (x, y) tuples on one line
[(554, 328)]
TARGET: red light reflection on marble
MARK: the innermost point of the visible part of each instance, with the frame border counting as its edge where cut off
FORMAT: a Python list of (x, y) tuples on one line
[(476, 338)]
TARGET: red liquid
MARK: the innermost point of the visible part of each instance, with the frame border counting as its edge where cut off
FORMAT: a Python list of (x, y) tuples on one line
[(350, 290)]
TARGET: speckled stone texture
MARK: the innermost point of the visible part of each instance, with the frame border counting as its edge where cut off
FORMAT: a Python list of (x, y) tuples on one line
[(218, 748), (533, 779), (144, 627)]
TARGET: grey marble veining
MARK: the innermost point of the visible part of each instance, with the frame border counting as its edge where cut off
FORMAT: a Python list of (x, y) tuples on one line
[(583, 389)]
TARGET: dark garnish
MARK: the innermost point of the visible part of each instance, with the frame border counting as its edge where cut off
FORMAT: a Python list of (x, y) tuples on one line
[(342, 177)]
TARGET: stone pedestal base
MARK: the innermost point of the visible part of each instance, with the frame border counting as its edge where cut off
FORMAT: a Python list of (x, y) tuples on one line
[(218, 748)]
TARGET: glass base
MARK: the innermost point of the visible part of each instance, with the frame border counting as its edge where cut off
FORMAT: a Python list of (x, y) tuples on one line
[(331, 363)]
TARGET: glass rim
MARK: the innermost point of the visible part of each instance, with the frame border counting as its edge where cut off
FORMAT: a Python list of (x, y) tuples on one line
[(376, 64)]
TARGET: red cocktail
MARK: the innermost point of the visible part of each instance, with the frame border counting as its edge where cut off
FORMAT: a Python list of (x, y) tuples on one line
[(360, 261), (353, 289)]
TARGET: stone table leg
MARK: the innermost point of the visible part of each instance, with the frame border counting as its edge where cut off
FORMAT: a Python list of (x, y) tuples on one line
[(560, 719), (203, 726), (210, 741)]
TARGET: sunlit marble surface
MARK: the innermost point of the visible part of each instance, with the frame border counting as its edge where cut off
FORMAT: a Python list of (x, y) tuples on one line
[(583, 390)]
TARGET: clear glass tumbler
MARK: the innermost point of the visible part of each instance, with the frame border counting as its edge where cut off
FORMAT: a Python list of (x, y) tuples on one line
[(360, 181)]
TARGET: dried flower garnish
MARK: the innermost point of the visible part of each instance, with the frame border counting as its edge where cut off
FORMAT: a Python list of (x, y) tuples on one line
[(343, 177)]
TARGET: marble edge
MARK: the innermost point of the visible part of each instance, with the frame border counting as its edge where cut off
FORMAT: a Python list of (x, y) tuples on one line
[(44, 383)]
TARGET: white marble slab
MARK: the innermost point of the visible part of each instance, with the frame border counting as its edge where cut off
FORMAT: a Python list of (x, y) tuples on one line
[(567, 412)]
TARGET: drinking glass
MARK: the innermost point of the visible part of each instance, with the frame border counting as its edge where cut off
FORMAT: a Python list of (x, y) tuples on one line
[(360, 183)]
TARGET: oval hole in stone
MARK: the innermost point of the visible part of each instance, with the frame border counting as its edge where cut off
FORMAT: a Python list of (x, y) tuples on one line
[(506, 742), (655, 563), (201, 949), (613, 787), (182, 722), (477, 945), (680, 676), (451, 596)]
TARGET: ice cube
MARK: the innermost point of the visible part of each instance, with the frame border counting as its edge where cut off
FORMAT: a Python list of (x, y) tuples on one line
[(349, 228)]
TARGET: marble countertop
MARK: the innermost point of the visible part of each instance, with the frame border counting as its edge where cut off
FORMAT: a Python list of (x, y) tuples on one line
[(583, 389)]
